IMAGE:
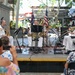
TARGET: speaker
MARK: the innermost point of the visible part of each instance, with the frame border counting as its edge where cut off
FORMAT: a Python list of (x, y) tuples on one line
[(36, 28)]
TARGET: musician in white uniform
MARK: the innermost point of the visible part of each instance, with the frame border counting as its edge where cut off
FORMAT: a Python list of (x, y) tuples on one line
[(2, 31), (68, 41), (52, 37)]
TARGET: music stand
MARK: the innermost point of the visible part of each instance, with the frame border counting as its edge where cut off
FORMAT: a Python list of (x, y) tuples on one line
[(36, 29)]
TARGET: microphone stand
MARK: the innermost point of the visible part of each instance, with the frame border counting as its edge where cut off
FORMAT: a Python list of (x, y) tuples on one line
[(16, 33), (18, 45), (22, 38)]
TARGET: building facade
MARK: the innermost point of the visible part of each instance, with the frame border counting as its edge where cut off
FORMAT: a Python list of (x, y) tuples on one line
[(5, 9)]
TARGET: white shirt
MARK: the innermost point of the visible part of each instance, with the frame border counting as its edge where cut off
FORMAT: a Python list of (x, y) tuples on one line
[(71, 57), (8, 55), (2, 32), (68, 41)]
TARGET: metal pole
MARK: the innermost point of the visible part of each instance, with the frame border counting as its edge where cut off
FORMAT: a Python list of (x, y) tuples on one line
[(46, 3), (17, 13), (13, 11)]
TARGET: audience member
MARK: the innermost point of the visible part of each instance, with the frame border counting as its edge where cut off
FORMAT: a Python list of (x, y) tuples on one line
[(2, 31), (6, 50), (11, 54), (4, 62), (70, 59)]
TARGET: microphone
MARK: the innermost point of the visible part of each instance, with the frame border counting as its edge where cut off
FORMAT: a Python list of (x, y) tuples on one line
[(17, 30)]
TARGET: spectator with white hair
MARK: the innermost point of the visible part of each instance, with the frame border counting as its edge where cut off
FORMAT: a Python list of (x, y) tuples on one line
[(2, 31)]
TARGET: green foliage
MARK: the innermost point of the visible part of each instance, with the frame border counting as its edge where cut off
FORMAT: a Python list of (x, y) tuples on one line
[(15, 1), (70, 2), (42, 5), (12, 25), (55, 25), (66, 1), (70, 5), (73, 0)]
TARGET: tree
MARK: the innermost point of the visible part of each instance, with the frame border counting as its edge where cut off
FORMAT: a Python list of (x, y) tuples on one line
[(69, 3), (12, 1), (15, 1)]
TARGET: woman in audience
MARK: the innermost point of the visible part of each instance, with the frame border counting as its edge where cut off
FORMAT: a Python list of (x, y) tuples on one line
[(4, 62), (6, 48), (11, 54)]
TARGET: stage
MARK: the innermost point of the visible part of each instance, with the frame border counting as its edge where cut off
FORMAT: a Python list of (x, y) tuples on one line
[(42, 57), (47, 60), (52, 63)]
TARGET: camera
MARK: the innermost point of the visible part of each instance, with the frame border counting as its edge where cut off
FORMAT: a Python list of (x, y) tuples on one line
[(6, 47)]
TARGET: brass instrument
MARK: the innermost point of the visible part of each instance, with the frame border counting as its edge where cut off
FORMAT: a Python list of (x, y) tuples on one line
[(70, 30)]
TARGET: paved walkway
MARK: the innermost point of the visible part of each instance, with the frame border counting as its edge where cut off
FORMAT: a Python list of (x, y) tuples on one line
[(40, 73)]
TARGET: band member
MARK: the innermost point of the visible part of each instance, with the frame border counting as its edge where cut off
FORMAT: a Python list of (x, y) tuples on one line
[(68, 41)]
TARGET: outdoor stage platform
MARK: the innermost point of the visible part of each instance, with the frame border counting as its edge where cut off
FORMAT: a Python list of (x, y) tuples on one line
[(42, 57), (42, 62)]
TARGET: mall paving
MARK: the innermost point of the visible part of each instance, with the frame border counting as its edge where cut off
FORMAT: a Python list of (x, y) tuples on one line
[(40, 73)]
